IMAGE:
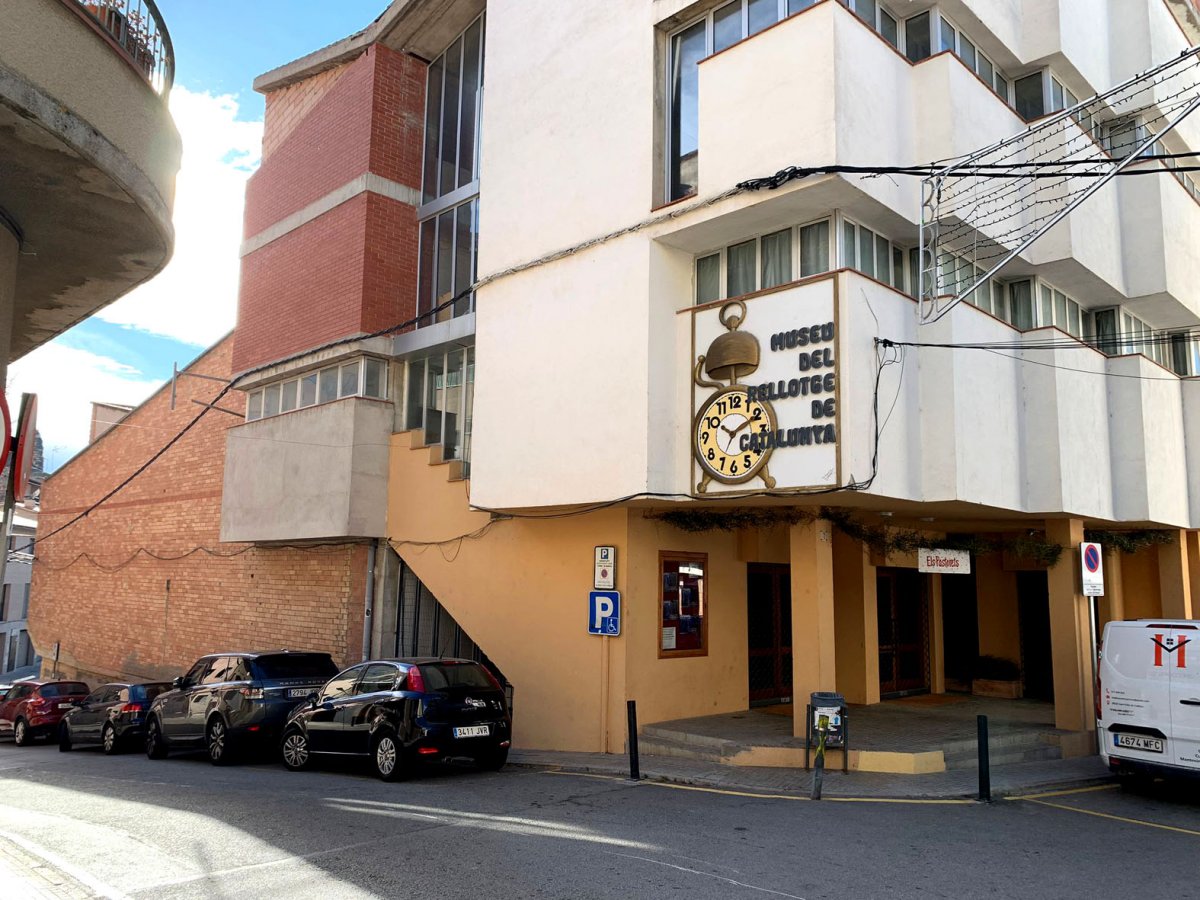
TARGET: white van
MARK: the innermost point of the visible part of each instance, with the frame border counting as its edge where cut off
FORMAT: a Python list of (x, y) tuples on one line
[(1148, 697)]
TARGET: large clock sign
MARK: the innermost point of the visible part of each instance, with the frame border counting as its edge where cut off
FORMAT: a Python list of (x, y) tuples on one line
[(764, 413)]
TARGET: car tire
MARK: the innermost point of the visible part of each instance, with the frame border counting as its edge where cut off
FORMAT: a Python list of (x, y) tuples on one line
[(156, 748), (64, 738), (217, 742), (493, 761), (294, 750), (108, 740), (22, 736), (385, 756)]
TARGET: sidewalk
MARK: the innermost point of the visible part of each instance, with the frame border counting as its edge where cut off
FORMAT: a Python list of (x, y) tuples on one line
[(1007, 780), (26, 876)]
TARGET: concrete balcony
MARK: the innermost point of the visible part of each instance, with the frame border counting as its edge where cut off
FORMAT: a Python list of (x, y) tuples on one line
[(1162, 257), (88, 158), (315, 473)]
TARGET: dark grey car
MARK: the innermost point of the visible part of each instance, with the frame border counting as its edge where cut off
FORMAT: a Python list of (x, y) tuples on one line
[(113, 716), (228, 702)]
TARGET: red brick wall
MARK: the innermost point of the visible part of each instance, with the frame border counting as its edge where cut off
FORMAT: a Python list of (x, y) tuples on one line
[(150, 618), (351, 270)]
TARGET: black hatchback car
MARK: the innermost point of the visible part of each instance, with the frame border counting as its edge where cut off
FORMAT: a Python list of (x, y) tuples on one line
[(230, 701), (113, 715), (399, 712)]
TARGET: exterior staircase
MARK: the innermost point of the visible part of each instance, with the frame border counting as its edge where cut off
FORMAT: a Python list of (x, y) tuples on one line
[(456, 469)]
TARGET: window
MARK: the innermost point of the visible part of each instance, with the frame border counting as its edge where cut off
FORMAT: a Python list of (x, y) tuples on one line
[(872, 254), (439, 400), (287, 399), (328, 389), (308, 389), (378, 678), (367, 378), (342, 684), (1029, 97), (776, 258), (917, 37), (708, 278), (763, 262), (375, 378), (814, 249), (739, 269), (448, 233), (684, 622), (948, 36)]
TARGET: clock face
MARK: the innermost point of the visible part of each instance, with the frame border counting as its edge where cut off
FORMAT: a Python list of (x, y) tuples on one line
[(725, 419)]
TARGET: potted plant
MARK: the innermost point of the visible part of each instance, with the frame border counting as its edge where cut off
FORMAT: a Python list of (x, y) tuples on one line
[(994, 676)]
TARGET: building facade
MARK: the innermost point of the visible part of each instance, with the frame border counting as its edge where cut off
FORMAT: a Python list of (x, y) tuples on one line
[(141, 586), (716, 385)]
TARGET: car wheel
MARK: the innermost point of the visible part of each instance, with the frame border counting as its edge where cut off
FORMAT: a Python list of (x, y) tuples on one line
[(294, 750), (108, 739), (493, 761), (21, 734), (217, 741), (64, 738), (155, 747), (385, 756)]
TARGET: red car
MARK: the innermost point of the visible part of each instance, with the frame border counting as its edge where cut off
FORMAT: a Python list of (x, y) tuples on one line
[(34, 708)]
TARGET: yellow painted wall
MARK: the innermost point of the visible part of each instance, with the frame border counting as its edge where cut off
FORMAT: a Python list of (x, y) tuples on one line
[(996, 590), (1139, 584), (856, 621)]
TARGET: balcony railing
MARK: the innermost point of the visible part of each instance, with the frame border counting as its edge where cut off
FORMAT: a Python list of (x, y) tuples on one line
[(136, 30)]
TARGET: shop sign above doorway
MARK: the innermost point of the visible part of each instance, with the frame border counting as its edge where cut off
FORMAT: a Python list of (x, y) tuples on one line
[(944, 562), (1091, 569)]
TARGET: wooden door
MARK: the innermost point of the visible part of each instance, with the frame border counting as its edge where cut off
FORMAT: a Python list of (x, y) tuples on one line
[(769, 627)]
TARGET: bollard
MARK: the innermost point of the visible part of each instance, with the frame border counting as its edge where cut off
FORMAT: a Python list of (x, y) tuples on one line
[(819, 764), (985, 768), (634, 767)]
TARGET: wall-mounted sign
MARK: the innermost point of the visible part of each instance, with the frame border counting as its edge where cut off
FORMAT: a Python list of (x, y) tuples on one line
[(606, 568), (764, 394), (944, 562), (1091, 568), (604, 613)]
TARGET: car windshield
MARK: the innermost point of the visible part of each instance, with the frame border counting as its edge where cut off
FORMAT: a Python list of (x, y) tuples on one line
[(440, 676), (316, 666), (63, 689)]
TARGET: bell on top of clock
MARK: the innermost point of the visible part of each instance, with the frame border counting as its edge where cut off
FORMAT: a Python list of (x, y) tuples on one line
[(734, 353)]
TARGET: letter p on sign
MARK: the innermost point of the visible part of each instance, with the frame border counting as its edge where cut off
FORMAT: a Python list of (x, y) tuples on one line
[(604, 613)]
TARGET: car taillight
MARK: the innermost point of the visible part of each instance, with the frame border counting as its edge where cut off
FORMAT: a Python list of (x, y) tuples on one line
[(252, 693), (492, 678), (132, 708), (37, 705), (416, 681)]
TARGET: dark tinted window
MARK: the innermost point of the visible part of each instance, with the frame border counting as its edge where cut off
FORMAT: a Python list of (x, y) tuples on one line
[(149, 691), (63, 688), (295, 665), (343, 685), (218, 671), (439, 676), (378, 677)]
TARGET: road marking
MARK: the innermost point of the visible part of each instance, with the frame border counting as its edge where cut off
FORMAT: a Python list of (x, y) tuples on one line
[(916, 801), (1102, 815), (753, 887), (1065, 792), (84, 878)]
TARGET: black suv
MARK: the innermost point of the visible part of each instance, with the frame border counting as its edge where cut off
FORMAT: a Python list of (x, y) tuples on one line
[(399, 712), (229, 700)]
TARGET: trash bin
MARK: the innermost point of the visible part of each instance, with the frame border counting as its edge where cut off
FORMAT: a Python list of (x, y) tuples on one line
[(832, 705)]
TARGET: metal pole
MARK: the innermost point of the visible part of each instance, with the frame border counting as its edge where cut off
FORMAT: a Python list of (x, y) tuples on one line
[(1093, 625), (819, 764), (985, 767), (369, 601), (635, 771)]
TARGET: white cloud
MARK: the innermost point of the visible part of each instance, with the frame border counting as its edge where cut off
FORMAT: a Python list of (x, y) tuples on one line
[(194, 299), (66, 381)]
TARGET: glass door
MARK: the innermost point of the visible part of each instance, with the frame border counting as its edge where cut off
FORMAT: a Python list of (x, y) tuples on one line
[(903, 631)]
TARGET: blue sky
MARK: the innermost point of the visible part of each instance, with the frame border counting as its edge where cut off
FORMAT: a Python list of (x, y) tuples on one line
[(125, 351)]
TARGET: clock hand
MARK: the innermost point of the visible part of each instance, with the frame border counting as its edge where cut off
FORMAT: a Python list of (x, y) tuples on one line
[(739, 428)]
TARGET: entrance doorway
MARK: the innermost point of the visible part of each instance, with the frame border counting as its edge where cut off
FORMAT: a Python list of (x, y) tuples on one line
[(960, 630), (1033, 612), (769, 626), (903, 602)]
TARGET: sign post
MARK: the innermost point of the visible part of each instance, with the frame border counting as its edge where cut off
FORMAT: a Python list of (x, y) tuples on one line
[(1091, 570)]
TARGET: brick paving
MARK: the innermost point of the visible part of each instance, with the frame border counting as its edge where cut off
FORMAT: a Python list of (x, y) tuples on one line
[(25, 876)]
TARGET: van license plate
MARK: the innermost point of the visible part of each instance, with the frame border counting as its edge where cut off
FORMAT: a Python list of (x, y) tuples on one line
[(472, 731), (1137, 742)]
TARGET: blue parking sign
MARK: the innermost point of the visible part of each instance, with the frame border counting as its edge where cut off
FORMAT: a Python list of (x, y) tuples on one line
[(604, 613)]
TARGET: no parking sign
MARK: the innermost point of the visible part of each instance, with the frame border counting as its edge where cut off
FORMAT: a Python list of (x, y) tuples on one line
[(1091, 569)]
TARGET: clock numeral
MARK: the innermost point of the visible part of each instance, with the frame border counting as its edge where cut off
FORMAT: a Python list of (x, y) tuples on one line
[(723, 461), (746, 460), (722, 408), (712, 454), (714, 421), (704, 437), (735, 401), (757, 413), (733, 468)]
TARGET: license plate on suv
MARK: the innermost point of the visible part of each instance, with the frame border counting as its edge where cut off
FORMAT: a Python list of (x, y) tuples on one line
[(1139, 742), (472, 731), (299, 692)]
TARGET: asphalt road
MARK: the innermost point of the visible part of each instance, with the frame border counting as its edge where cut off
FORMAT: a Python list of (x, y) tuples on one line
[(126, 826)]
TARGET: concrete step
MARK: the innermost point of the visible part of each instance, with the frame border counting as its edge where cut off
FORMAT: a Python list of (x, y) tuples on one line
[(1005, 756), (658, 746)]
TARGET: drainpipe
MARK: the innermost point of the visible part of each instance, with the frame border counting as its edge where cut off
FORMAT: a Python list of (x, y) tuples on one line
[(369, 603)]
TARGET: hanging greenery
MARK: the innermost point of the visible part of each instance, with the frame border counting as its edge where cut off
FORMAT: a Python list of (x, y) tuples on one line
[(700, 520), (1129, 541)]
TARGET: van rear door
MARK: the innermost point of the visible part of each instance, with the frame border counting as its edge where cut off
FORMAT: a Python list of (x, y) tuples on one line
[(1185, 697), (1135, 691)]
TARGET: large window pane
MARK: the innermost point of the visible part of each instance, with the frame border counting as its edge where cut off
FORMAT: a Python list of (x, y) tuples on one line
[(914, 271), (374, 378), (308, 389), (464, 246), (794, 6), (1029, 101), (1021, 302), (451, 448), (1074, 326), (1001, 86), (777, 258), (727, 26), (287, 396), (708, 278), (1060, 310), (349, 380), (898, 268), (445, 263), (916, 37), (687, 49), (433, 129), (1056, 95), (762, 13), (426, 255), (865, 10), (1000, 301), (814, 249), (271, 400), (889, 28), (866, 256), (966, 50), (414, 413), (682, 629), (470, 105), (329, 385), (254, 406), (434, 391), (739, 264), (882, 271), (985, 70), (1046, 309), (947, 35), (450, 96)]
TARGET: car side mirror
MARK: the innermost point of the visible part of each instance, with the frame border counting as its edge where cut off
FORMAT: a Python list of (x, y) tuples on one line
[(178, 682), (312, 701)]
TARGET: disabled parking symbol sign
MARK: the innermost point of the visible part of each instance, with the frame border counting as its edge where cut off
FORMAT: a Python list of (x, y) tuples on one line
[(604, 613)]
